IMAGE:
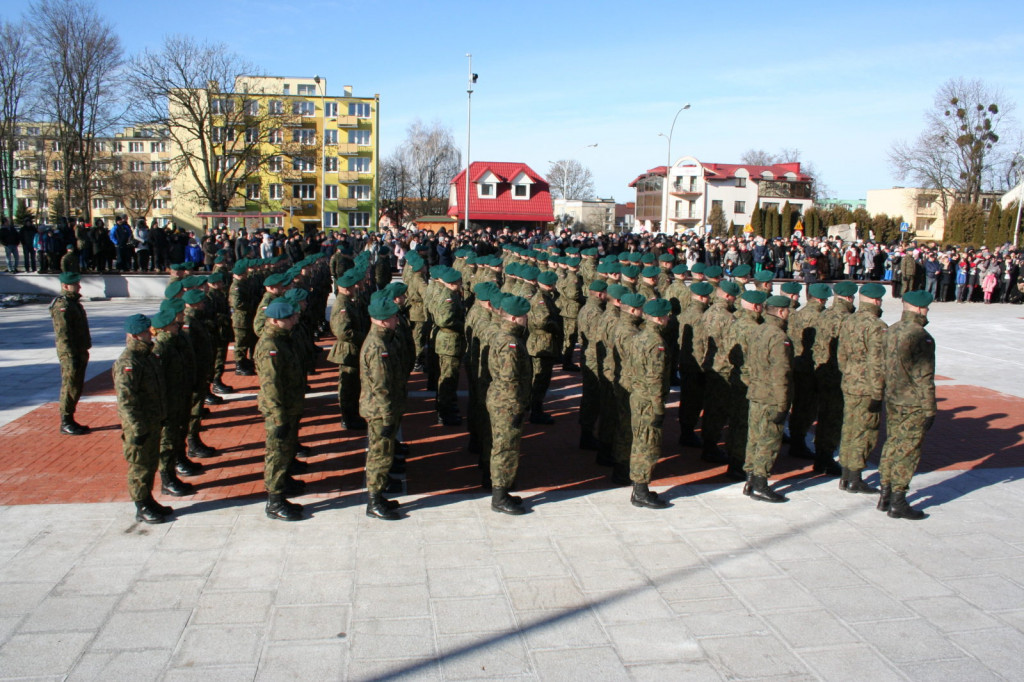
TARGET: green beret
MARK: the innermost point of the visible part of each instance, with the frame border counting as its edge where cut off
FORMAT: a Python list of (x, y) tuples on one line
[(680, 269), (623, 257), (647, 258), (630, 271), (450, 276), (791, 287), (497, 296), (435, 271), (616, 291), (609, 258), (396, 289), (765, 276), (136, 324), (819, 291), (70, 278), (634, 300), (872, 290), (178, 266), (635, 257), (699, 268), (193, 281), (741, 271), (472, 260), (712, 272), (382, 307), (572, 251), (162, 319), (755, 297), (349, 279), (658, 307), (219, 259), (239, 268), (844, 288), (484, 290), (651, 271), (667, 258), (515, 305), (572, 262), (215, 277), (277, 280), (296, 295), (175, 305), (591, 252), (280, 308), (293, 272), (598, 285), (778, 301), (547, 278), (530, 273), (194, 297), (730, 288), (919, 298), (614, 268), (701, 288)]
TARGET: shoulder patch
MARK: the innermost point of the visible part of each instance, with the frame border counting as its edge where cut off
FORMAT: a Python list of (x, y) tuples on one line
[(513, 345), (273, 353), (128, 368)]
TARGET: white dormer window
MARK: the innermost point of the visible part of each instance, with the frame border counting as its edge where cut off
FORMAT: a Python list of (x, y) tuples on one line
[(486, 189), (487, 186), (521, 186)]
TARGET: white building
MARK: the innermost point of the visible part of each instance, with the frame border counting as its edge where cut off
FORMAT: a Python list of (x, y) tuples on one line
[(596, 215), (694, 188)]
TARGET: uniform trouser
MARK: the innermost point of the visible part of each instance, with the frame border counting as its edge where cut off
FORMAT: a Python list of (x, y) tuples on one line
[(420, 337), (805, 406), (860, 431), (830, 418), (475, 402), (716, 408), (506, 432), (739, 417), (220, 356), (622, 444), (380, 453), (571, 330), (143, 455), (172, 440), (349, 387), (282, 440), (764, 438), (242, 346), (608, 414), (691, 400), (590, 407), (647, 419), (905, 429), (433, 362), (448, 384), (543, 367), (72, 379), (195, 422)]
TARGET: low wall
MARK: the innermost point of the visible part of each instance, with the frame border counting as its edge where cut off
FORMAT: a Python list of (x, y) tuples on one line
[(93, 286)]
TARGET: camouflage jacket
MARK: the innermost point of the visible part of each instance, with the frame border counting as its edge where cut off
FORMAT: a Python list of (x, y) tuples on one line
[(450, 318), (910, 364), (139, 386), (282, 379), (590, 316), (693, 338), (717, 319), (803, 327), (570, 294), (861, 352), (771, 365), (738, 340), (70, 326), (178, 363), (380, 373), (348, 338), (510, 369), (648, 366), (544, 325), (623, 334), (678, 294), (826, 339)]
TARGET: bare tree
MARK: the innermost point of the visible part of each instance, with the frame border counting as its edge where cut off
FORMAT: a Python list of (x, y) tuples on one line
[(394, 188), (17, 77), (222, 128), (432, 159), (759, 157), (80, 60), (570, 179)]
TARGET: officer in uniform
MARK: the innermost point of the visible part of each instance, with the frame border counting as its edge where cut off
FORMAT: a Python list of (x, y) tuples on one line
[(829, 379), (590, 400), (570, 299), (717, 368), (450, 344), (802, 329), (626, 329), (909, 403), (543, 343), (348, 338), (738, 339), (178, 370), (413, 276), (693, 347), (218, 312), (138, 384), (71, 330)]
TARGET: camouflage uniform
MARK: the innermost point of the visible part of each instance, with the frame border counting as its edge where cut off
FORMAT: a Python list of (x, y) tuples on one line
[(280, 401), (648, 370), (803, 324), (770, 362), (508, 397), (138, 384), (739, 338), (450, 344), (178, 362), (624, 332), (219, 313), (543, 343), (417, 312), (717, 368), (693, 346), (380, 366), (196, 330), (862, 363), (71, 330), (608, 379), (909, 360), (242, 314), (348, 338), (828, 378), (570, 298), (589, 319)]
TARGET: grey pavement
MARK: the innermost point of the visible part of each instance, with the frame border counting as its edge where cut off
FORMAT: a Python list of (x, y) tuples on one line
[(585, 587)]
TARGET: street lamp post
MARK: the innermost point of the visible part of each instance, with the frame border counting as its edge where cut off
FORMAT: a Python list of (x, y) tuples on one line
[(668, 167), (322, 85), (1020, 198), (469, 120)]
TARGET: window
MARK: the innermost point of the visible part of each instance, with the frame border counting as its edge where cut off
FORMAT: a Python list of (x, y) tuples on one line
[(159, 203), (521, 191), (359, 164), (222, 134), (986, 203), (304, 191), (330, 219), (331, 109), (330, 137), (225, 163), (24, 145), (358, 219), (155, 147), (717, 203), (330, 164), (771, 205), (99, 146), (303, 108), (21, 164), (252, 135), (158, 184), (140, 147), (275, 107), (222, 106), (741, 182), (330, 191), (359, 109), (306, 89), (276, 136), (275, 221), (359, 137), (276, 191), (252, 191), (159, 166), (275, 164), (32, 130), (55, 146), (137, 204), (361, 192), (251, 108), (99, 203), (252, 164), (137, 166), (304, 136), (303, 165), (118, 204), (485, 190), (58, 165), (739, 207), (22, 183), (287, 89)]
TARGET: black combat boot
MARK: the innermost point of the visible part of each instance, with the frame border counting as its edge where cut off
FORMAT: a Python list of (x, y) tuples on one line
[(502, 502), (844, 479), (220, 388), (567, 364), (643, 497), (759, 490), (198, 449), (539, 416), (884, 498), (213, 399), (161, 509), (353, 422), (827, 466), (69, 427), (748, 487), (186, 467), (145, 514), (377, 507), (244, 368), (589, 441), (900, 509), (82, 427), (855, 484), (280, 508), (303, 450), (171, 485)]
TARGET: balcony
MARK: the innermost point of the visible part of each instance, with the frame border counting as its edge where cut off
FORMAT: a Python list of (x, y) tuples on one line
[(684, 189), (346, 121), (346, 149)]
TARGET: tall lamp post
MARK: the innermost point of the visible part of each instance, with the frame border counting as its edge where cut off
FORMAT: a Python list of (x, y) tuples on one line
[(322, 86), (668, 167), (1020, 198), (469, 120)]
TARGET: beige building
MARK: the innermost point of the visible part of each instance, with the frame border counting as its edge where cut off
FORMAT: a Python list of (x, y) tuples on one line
[(597, 215), (922, 208)]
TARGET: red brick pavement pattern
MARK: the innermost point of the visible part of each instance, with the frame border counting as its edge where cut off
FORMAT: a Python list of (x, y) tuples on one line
[(976, 428)]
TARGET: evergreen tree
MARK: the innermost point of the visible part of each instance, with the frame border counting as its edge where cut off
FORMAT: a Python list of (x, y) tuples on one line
[(23, 214), (733, 230), (57, 213), (1010, 223), (994, 236), (756, 219), (716, 218), (787, 220), (809, 222)]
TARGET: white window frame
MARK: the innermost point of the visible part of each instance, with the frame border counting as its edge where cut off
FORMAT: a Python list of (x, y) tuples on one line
[(251, 107), (157, 147), (304, 136), (221, 134), (486, 190), (741, 182), (252, 135), (330, 164), (303, 165), (275, 191), (361, 138), (359, 164), (359, 219), (303, 108), (331, 109), (739, 207), (275, 164), (330, 137), (136, 147), (526, 195), (275, 107), (305, 90), (330, 192), (304, 191), (359, 192), (330, 218), (276, 136), (252, 191), (359, 109), (137, 166)]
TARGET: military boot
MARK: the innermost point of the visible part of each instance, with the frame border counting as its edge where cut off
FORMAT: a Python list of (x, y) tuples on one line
[(220, 388), (502, 502), (198, 449), (171, 485), (353, 422), (82, 427), (161, 509), (213, 399), (539, 416), (884, 498), (900, 509), (589, 441), (567, 364), (245, 368), (145, 514), (303, 450), (377, 508), (827, 466), (844, 479), (759, 490), (186, 467), (748, 487), (643, 497), (69, 427), (855, 484), (280, 508)]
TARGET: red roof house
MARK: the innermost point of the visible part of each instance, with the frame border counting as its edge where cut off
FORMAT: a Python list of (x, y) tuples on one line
[(508, 193)]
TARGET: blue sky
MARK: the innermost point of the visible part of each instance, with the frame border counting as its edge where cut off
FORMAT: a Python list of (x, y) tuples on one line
[(840, 83)]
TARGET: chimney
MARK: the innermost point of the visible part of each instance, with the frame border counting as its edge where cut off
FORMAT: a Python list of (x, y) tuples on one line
[(347, 90)]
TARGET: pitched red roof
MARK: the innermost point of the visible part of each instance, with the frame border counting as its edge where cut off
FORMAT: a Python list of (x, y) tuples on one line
[(721, 171), (657, 170), (537, 208)]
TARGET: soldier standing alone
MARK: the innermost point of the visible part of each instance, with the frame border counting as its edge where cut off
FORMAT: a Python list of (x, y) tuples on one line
[(71, 329)]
